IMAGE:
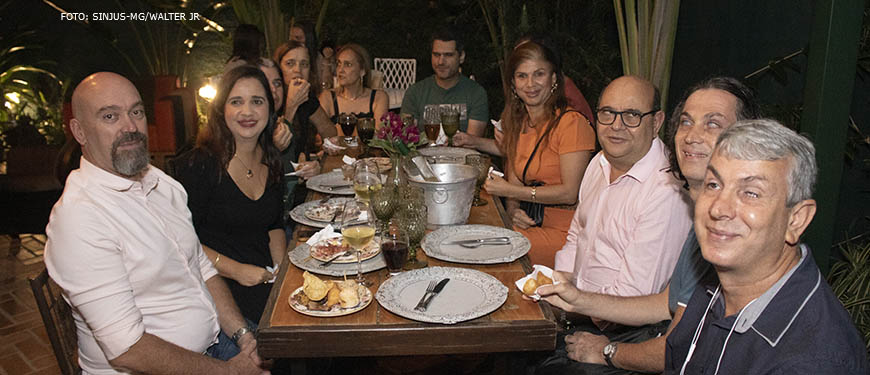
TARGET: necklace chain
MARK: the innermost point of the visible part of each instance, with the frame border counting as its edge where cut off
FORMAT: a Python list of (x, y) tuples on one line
[(345, 97), (250, 172)]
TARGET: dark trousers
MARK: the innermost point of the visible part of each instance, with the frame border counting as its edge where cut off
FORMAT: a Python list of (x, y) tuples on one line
[(560, 364)]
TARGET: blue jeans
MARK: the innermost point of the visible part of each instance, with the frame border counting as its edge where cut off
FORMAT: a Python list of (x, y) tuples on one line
[(225, 347)]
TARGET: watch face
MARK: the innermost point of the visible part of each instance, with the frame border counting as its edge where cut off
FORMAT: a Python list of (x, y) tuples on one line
[(609, 349)]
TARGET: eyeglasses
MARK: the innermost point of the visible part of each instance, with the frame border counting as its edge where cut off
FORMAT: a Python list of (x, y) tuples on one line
[(630, 118)]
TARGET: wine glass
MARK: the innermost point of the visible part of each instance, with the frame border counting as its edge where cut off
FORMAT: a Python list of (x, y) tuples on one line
[(413, 219), (432, 123), (480, 163), (384, 203), (366, 179), (358, 230), (394, 246), (450, 121), (366, 131), (348, 123)]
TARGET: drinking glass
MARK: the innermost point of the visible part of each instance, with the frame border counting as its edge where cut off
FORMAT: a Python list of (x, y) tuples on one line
[(348, 123), (384, 204), (394, 246), (480, 163), (358, 230), (413, 219), (450, 121), (366, 179), (366, 130), (432, 123)]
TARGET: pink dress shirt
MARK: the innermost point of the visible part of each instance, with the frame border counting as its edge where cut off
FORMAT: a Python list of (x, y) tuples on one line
[(626, 236), (128, 260)]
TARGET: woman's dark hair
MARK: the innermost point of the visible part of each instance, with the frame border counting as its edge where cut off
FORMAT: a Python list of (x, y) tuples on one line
[(290, 45), (216, 139), (747, 109), (515, 112), (248, 43)]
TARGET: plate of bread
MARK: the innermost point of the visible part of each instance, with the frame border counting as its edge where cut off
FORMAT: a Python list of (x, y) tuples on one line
[(329, 298)]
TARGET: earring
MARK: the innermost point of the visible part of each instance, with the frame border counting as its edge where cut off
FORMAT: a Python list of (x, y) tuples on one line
[(553, 89)]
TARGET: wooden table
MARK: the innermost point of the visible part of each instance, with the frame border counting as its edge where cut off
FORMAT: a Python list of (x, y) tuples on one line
[(517, 326)]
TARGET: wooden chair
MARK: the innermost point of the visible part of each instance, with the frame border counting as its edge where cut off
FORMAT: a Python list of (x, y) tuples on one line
[(58, 320)]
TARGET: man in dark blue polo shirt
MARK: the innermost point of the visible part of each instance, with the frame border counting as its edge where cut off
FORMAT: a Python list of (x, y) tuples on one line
[(771, 310)]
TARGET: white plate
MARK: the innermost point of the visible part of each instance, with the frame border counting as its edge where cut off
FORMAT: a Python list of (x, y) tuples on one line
[(435, 245), (453, 155), (321, 181), (301, 257), (365, 299), (298, 212), (468, 295)]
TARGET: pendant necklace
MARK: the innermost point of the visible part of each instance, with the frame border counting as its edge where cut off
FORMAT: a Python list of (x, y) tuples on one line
[(249, 173)]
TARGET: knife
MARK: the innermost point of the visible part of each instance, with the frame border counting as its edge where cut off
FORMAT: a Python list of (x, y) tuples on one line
[(333, 187), (479, 240), (432, 295)]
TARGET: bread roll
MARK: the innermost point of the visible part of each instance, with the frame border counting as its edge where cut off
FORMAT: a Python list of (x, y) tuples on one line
[(313, 287), (530, 286), (349, 297), (543, 279), (332, 297)]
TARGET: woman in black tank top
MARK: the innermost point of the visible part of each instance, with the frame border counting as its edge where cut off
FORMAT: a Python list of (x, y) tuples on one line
[(349, 96)]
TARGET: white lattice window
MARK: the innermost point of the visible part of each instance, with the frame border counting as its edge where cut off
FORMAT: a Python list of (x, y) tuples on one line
[(398, 73)]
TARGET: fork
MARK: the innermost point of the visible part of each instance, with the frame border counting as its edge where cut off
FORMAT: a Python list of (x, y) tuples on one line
[(429, 289), (328, 262)]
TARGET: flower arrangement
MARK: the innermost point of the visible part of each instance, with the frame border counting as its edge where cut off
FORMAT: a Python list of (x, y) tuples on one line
[(396, 137)]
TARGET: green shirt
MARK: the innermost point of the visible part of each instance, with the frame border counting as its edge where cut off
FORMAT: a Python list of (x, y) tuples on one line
[(468, 94)]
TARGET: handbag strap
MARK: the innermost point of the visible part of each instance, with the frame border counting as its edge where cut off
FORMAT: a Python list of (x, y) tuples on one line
[(538, 144)]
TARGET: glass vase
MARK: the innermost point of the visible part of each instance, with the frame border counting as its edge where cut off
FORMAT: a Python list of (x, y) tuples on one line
[(396, 176)]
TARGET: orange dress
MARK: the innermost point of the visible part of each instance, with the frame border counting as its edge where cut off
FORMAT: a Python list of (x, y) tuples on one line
[(573, 133)]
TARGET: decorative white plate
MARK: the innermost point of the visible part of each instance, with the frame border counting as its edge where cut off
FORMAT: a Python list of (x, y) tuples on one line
[(329, 248), (468, 295), (435, 245), (334, 178), (298, 212), (301, 257), (453, 155), (365, 299)]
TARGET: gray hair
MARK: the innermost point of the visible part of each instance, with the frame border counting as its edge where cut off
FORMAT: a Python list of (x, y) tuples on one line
[(766, 139)]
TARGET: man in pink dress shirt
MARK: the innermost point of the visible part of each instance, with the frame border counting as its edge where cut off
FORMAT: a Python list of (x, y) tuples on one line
[(121, 245), (632, 215)]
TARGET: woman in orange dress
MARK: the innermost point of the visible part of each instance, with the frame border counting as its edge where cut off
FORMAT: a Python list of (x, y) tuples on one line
[(547, 147)]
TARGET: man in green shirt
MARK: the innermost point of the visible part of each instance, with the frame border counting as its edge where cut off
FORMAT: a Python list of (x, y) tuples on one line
[(448, 86)]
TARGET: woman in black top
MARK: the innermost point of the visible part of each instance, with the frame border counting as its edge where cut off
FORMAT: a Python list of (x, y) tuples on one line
[(234, 184), (353, 94)]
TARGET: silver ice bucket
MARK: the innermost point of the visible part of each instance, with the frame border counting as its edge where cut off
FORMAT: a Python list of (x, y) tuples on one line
[(449, 200)]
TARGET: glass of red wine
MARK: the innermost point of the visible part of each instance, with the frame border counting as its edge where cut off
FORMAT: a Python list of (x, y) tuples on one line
[(347, 121), (394, 246)]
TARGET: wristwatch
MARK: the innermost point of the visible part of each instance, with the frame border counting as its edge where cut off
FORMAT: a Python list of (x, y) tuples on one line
[(609, 352), (239, 333)]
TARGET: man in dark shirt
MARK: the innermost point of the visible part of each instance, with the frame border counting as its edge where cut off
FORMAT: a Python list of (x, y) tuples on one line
[(771, 310)]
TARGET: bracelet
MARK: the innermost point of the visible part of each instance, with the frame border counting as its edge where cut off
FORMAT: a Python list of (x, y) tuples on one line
[(534, 192), (217, 259), (286, 121)]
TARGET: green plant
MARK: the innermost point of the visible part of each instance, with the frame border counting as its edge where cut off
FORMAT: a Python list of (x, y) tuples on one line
[(850, 280), (30, 94), (646, 39)]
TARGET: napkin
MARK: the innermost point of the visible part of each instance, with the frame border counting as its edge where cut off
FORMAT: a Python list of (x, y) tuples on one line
[(327, 143), (534, 275), (274, 271), (294, 165), (496, 124), (324, 234), (492, 171)]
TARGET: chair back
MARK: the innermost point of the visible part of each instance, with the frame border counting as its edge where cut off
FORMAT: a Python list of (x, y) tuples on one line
[(58, 320), (398, 73)]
